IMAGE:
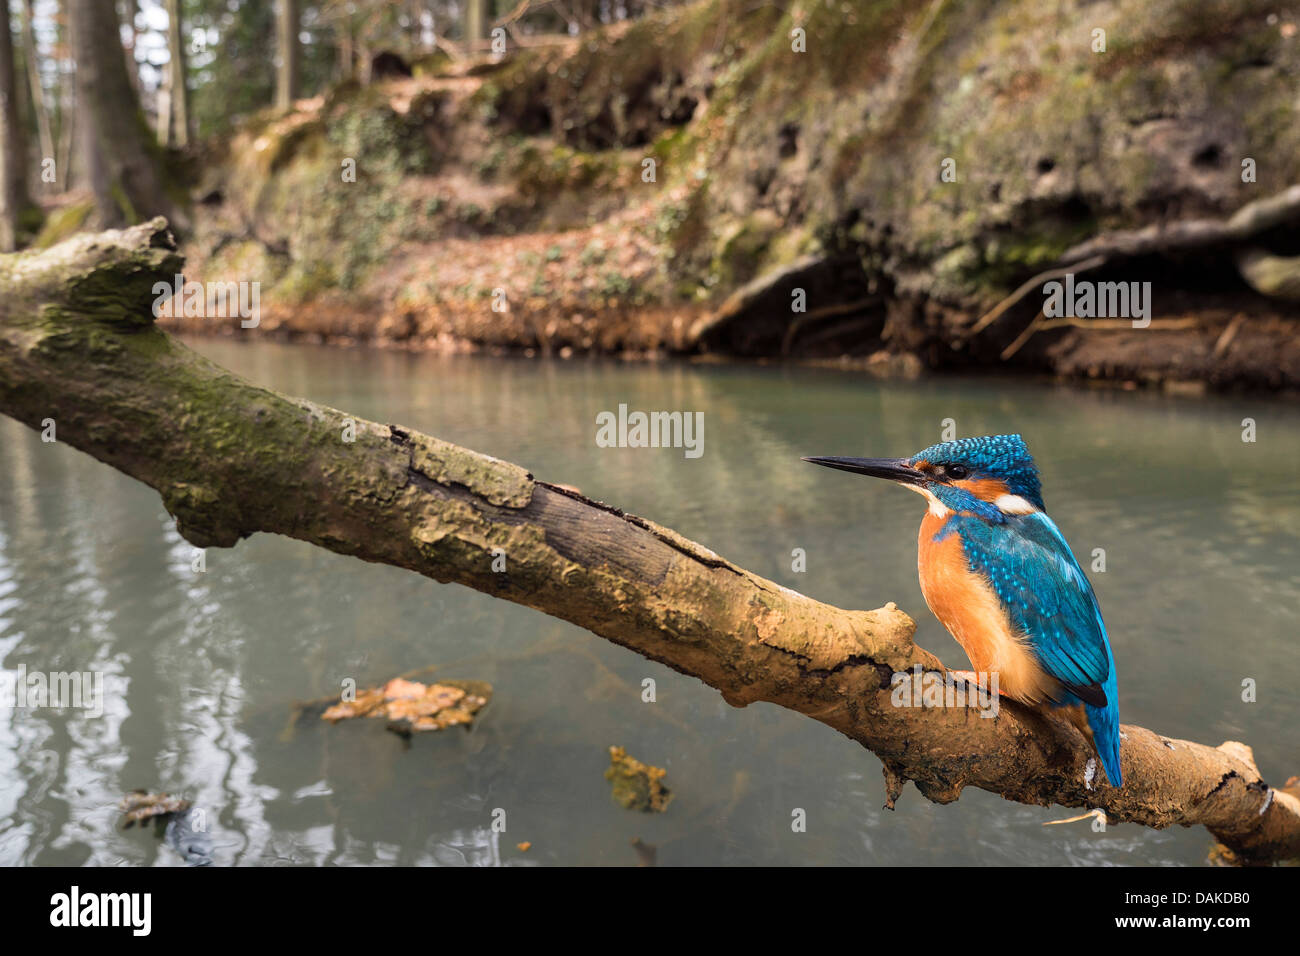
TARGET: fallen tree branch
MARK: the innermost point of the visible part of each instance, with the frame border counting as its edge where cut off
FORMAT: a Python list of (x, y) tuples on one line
[(1026, 287), (229, 458), (1273, 276), (819, 315), (1191, 234), (1042, 324), (743, 299)]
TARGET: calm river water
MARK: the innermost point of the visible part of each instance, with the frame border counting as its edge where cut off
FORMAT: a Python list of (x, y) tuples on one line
[(1200, 592)]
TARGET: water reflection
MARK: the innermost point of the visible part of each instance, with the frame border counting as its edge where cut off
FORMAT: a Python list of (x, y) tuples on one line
[(1199, 533)]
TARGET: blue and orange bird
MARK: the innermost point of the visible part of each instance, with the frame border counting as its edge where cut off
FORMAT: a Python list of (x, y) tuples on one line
[(997, 573)]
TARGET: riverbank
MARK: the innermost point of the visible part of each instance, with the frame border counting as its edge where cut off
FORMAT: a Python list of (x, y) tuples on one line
[(694, 184)]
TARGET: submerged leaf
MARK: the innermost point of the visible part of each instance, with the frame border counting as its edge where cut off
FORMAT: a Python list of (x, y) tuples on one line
[(366, 702), (410, 706), (140, 805), (637, 786), (397, 689)]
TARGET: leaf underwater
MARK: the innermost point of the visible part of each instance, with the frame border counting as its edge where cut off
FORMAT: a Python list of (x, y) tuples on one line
[(411, 707), (140, 805), (636, 785)]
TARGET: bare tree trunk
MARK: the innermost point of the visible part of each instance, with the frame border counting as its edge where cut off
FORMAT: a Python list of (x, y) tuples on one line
[(37, 88), (178, 115), (476, 21), (65, 151), (67, 111), (163, 105), (114, 144), (365, 60), (14, 198), (287, 79), (129, 9), (343, 33), (78, 344)]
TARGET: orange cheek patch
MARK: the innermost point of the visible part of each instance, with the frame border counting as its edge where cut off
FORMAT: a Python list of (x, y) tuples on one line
[(986, 489)]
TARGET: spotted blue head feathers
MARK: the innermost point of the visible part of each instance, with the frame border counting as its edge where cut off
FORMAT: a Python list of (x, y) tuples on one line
[(1002, 458)]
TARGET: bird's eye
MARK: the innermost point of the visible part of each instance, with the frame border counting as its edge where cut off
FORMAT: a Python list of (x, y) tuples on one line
[(957, 472)]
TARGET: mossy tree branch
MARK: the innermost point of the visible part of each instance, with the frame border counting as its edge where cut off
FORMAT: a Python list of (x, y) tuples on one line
[(78, 345)]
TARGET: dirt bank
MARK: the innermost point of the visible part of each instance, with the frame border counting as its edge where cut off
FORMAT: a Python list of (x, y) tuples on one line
[(903, 168)]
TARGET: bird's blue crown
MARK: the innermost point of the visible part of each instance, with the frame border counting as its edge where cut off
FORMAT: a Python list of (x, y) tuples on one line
[(1004, 457)]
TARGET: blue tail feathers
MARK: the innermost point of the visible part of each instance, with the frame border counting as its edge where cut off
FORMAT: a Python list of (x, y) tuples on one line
[(1104, 722)]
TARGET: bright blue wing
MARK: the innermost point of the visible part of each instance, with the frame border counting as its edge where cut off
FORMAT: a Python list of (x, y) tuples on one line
[(1034, 573), (1049, 599)]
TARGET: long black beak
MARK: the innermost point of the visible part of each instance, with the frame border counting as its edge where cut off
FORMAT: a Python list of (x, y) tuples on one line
[(895, 469)]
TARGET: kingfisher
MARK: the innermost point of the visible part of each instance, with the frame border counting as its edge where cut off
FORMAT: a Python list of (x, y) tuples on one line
[(998, 574)]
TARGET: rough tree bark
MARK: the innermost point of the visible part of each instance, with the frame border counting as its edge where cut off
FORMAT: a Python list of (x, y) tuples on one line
[(13, 144), (78, 345), (115, 146)]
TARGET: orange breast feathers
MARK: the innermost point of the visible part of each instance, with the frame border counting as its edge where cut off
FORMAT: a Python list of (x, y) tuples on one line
[(969, 608)]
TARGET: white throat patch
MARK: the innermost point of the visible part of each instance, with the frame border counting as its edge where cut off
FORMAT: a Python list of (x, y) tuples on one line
[(937, 507), (1014, 505)]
